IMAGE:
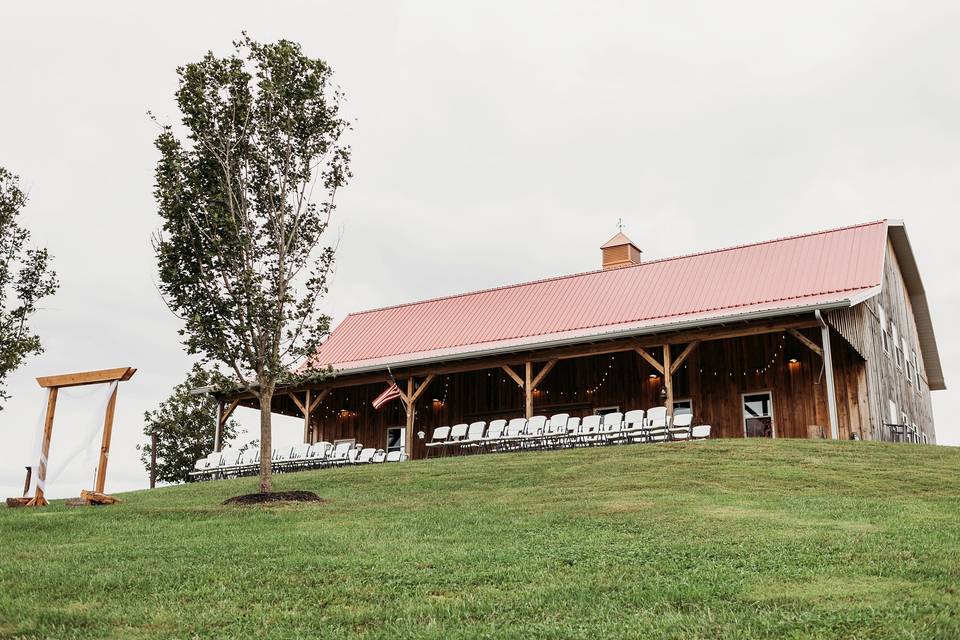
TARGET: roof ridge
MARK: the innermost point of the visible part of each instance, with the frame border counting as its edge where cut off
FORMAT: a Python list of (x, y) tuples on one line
[(626, 266)]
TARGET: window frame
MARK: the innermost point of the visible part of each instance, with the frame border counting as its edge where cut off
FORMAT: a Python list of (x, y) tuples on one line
[(773, 418), (403, 441), (688, 400), (884, 331), (897, 346)]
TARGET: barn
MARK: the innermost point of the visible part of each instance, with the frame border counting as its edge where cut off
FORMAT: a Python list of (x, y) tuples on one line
[(826, 334)]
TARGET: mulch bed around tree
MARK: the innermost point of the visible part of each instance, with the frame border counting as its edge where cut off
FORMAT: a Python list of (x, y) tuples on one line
[(276, 496)]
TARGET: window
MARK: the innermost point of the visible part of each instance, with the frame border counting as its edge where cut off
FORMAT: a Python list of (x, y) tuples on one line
[(395, 439), (893, 413), (916, 369), (602, 411), (758, 415), (682, 406), (909, 368), (897, 344), (884, 335)]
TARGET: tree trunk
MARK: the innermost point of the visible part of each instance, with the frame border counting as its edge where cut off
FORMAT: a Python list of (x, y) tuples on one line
[(266, 440)]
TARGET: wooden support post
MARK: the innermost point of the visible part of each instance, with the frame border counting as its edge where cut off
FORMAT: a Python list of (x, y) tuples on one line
[(105, 442), (828, 368), (408, 433), (153, 459), (528, 388), (38, 499), (668, 379), (216, 433), (222, 416), (307, 435)]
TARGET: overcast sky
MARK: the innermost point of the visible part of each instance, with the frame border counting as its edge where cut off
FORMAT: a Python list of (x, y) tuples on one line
[(493, 143)]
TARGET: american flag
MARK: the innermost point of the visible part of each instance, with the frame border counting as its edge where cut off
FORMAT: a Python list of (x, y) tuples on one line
[(390, 393)]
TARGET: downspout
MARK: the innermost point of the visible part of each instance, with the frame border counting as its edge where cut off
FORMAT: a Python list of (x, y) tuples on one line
[(828, 368)]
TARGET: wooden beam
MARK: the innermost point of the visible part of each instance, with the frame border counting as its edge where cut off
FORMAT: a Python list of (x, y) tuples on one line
[(810, 344), (668, 379), (38, 499), (512, 374), (101, 477), (683, 356), (423, 387), (564, 353), (543, 372), (320, 398), (649, 358), (296, 401), (528, 388), (87, 377)]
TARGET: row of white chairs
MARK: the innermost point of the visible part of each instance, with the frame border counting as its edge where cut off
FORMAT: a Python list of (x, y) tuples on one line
[(231, 463), (562, 430)]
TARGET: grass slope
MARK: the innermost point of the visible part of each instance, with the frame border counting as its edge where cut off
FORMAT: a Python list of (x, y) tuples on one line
[(722, 539)]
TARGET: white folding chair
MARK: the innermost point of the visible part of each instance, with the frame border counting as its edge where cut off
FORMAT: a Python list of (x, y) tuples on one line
[(611, 427), (557, 429), (365, 455), (680, 426), (320, 453), (657, 424), (438, 439), (491, 439), (589, 426), (396, 456), (700, 432), (457, 433), (514, 431), (379, 456), (532, 435), (474, 437), (298, 454), (634, 427), (340, 453)]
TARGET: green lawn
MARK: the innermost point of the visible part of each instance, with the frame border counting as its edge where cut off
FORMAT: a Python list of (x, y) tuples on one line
[(721, 539)]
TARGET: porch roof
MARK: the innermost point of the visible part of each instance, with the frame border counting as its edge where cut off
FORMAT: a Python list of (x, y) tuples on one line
[(821, 270)]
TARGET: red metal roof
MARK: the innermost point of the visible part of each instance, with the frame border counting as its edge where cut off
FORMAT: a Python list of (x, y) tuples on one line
[(768, 278)]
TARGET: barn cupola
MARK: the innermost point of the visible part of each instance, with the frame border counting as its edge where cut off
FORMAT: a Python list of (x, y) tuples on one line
[(619, 251)]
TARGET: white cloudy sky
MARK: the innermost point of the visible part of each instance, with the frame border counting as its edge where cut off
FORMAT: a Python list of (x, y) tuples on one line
[(494, 142)]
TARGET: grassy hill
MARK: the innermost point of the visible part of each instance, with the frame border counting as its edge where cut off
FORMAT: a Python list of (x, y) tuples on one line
[(721, 539)]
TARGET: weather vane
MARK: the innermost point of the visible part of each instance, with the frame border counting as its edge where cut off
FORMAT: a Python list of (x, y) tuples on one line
[(620, 224)]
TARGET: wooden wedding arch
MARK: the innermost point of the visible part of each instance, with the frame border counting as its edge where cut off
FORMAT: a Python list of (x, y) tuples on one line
[(83, 378)]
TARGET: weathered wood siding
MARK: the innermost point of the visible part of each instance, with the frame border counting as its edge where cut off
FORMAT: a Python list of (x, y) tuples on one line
[(885, 380)]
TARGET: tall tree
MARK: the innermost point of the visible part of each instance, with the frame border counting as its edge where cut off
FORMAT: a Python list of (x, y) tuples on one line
[(26, 277), (184, 424), (246, 189)]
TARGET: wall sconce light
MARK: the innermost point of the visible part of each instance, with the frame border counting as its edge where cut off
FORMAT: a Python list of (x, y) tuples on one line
[(793, 361), (653, 376)]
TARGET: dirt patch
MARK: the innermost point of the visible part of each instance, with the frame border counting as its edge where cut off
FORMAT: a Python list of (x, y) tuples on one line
[(275, 497)]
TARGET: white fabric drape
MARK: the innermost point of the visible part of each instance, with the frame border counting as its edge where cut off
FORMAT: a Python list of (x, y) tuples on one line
[(85, 439)]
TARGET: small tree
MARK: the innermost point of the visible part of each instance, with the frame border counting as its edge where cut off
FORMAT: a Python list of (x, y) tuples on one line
[(25, 278), (245, 195), (185, 424)]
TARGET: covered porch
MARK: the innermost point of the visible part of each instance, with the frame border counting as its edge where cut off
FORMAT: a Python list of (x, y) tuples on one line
[(790, 377)]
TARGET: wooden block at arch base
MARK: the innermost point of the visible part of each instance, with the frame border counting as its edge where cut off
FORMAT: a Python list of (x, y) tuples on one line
[(94, 497)]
